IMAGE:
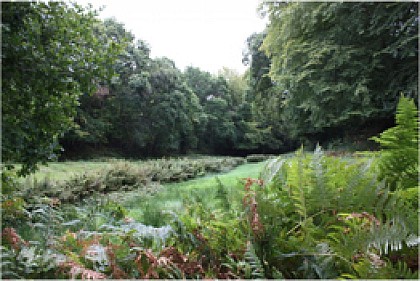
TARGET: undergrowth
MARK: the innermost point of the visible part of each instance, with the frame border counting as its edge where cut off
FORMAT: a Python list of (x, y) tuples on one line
[(311, 216), (141, 177), (308, 216)]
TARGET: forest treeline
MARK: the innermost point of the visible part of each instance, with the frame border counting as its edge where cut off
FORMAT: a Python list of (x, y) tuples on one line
[(152, 108), (75, 82), (313, 77)]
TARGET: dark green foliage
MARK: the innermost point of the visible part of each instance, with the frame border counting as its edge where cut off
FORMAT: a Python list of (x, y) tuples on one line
[(264, 130), (150, 111), (398, 163), (154, 110), (8, 179), (228, 123), (51, 53), (217, 132), (335, 77)]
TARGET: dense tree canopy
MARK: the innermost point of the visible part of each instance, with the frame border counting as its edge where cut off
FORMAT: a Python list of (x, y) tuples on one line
[(150, 110), (313, 76), (264, 97), (51, 54), (340, 74)]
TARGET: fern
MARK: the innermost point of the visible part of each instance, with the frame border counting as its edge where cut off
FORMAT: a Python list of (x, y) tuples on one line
[(319, 265), (323, 176), (9, 269), (300, 206), (257, 269), (75, 270), (28, 262), (362, 233), (398, 164), (297, 182), (401, 271), (370, 267), (271, 170)]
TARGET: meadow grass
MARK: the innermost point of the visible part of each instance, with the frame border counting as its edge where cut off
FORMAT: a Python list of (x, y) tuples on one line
[(175, 196), (171, 197)]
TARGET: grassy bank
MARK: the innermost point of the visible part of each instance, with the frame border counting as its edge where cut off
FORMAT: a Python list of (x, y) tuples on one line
[(174, 196)]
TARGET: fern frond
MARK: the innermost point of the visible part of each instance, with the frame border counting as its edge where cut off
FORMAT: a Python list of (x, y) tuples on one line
[(363, 233), (75, 270), (401, 271), (390, 236), (257, 269), (297, 182), (271, 170), (399, 164)]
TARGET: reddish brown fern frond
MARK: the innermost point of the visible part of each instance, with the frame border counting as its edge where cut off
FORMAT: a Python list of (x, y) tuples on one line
[(147, 264), (10, 235), (116, 271), (250, 201), (171, 256)]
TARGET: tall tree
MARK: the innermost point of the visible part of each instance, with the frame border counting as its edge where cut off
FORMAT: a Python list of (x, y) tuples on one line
[(105, 119), (172, 111), (265, 130), (218, 131), (51, 54), (340, 74)]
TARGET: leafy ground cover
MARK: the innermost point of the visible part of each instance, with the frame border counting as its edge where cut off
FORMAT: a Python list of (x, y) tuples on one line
[(307, 216)]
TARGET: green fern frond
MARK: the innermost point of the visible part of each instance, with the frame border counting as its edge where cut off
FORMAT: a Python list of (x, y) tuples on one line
[(363, 233), (399, 164), (389, 237), (297, 181), (257, 269), (401, 271)]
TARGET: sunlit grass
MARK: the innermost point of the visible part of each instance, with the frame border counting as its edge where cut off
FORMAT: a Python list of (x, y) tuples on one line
[(175, 195), (171, 197)]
